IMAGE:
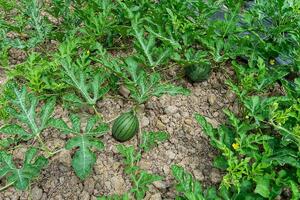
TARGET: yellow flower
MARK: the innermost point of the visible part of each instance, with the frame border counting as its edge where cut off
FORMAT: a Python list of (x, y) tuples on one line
[(236, 146), (272, 62), (88, 52)]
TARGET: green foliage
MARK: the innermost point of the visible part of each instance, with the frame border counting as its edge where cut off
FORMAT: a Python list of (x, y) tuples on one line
[(140, 178), (91, 89), (188, 188), (21, 177), (186, 185), (37, 22), (264, 137), (256, 78), (152, 139), (42, 75), (107, 44), (99, 20), (23, 107), (143, 86), (84, 158)]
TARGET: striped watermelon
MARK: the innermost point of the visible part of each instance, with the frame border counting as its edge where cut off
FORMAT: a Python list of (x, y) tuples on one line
[(125, 127)]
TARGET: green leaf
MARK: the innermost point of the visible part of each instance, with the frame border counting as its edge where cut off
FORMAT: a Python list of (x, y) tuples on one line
[(61, 125), (207, 127), (83, 162), (186, 184), (21, 177), (151, 139), (170, 89), (84, 141), (262, 186), (143, 86), (72, 98), (23, 107), (130, 157), (89, 88), (47, 111), (14, 129), (141, 183)]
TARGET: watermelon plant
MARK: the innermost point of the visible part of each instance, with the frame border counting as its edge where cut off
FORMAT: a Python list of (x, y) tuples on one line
[(140, 178), (29, 124), (21, 177), (84, 141), (76, 52)]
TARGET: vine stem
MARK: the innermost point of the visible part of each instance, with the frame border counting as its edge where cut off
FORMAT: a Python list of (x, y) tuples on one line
[(97, 113), (6, 186), (44, 147)]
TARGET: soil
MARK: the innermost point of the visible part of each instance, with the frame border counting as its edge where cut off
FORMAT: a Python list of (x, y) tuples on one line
[(188, 147)]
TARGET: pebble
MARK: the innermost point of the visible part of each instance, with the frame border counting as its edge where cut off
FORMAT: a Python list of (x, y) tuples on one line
[(215, 176), (165, 119), (156, 196), (212, 99), (160, 125), (171, 154), (124, 91), (64, 158), (171, 110), (36, 193), (188, 121), (145, 121), (160, 184), (213, 122), (84, 196), (118, 184), (89, 185)]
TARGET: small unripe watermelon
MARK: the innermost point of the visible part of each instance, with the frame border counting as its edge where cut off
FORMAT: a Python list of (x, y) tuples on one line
[(125, 127), (198, 72)]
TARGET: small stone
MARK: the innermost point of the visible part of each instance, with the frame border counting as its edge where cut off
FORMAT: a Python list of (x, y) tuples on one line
[(64, 157), (199, 175), (118, 184), (171, 154), (230, 96), (63, 167), (124, 91), (19, 153), (165, 119), (145, 121), (107, 185), (160, 184), (84, 196), (215, 114), (188, 121), (212, 99), (177, 116), (145, 165), (215, 176), (89, 185), (166, 169), (36, 193), (156, 196), (150, 105), (160, 125), (171, 110)]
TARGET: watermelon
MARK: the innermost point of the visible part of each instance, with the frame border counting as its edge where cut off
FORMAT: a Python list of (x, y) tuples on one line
[(125, 127), (198, 72)]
